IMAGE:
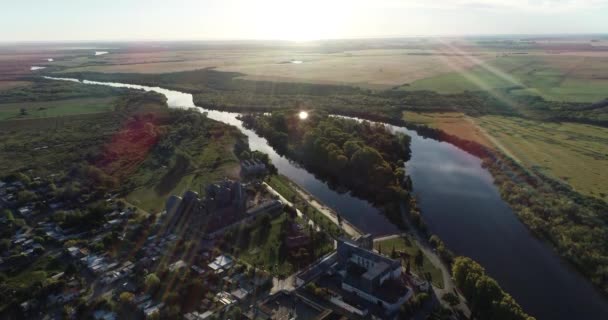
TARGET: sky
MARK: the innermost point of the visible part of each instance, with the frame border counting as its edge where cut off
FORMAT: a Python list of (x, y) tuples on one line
[(73, 20)]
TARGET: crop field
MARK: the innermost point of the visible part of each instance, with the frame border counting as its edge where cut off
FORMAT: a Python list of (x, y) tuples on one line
[(13, 111), (455, 123), (574, 153), (374, 68), (554, 77)]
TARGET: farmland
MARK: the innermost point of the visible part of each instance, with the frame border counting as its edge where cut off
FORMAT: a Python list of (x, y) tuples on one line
[(554, 149), (455, 123), (554, 77), (574, 153), (45, 109)]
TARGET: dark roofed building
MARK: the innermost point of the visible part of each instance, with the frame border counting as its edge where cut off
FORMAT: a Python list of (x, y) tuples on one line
[(372, 276)]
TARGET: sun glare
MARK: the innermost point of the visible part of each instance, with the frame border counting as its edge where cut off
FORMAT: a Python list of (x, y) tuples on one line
[(305, 21), (303, 115)]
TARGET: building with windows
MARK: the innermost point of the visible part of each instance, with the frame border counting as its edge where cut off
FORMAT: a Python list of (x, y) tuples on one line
[(371, 276)]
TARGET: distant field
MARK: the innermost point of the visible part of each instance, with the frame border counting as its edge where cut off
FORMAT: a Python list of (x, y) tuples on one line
[(12, 111), (455, 123), (5, 85), (574, 153), (374, 68), (554, 77)]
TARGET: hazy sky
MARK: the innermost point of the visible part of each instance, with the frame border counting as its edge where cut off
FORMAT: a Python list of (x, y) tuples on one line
[(41, 20)]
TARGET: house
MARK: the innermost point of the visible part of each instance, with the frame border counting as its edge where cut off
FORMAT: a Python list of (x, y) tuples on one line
[(240, 294), (221, 262), (372, 276), (177, 265)]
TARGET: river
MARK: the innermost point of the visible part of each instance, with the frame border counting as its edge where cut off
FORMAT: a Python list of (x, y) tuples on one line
[(460, 204)]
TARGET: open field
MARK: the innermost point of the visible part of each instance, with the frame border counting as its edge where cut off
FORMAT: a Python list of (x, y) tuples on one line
[(409, 246), (12, 111), (554, 77), (196, 162), (574, 153), (6, 85), (374, 68), (455, 123)]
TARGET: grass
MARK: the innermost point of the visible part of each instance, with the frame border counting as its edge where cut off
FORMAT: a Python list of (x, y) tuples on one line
[(196, 162), (574, 153), (556, 78), (456, 123), (265, 254), (262, 248), (407, 245), (12, 111)]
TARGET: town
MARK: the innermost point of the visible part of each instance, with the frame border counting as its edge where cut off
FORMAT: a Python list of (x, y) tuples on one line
[(233, 249)]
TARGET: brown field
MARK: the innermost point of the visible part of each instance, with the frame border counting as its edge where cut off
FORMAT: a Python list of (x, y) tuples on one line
[(6, 85), (455, 123)]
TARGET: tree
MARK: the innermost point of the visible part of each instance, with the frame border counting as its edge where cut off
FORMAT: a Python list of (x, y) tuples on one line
[(152, 282), (451, 299), (8, 215), (419, 258), (126, 298)]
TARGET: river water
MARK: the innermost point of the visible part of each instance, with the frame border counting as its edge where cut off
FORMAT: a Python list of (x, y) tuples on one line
[(459, 203)]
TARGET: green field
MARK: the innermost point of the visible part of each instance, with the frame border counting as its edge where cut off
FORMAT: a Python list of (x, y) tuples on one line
[(555, 78), (571, 152), (409, 246), (13, 111), (194, 162)]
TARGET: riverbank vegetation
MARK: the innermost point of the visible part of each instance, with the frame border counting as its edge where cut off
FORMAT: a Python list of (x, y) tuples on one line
[(554, 149), (360, 156), (575, 224), (485, 297), (228, 91)]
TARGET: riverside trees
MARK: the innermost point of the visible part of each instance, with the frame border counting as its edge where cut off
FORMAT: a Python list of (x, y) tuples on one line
[(364, 157)]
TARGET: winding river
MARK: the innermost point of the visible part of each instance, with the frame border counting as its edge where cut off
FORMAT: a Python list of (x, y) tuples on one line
[(459, 203)]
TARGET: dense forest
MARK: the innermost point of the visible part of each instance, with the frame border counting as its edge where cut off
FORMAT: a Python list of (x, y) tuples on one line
[(486, 298), (360, 156)]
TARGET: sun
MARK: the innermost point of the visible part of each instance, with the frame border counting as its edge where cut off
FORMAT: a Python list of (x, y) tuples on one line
[(297, 21), (303, 115)]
